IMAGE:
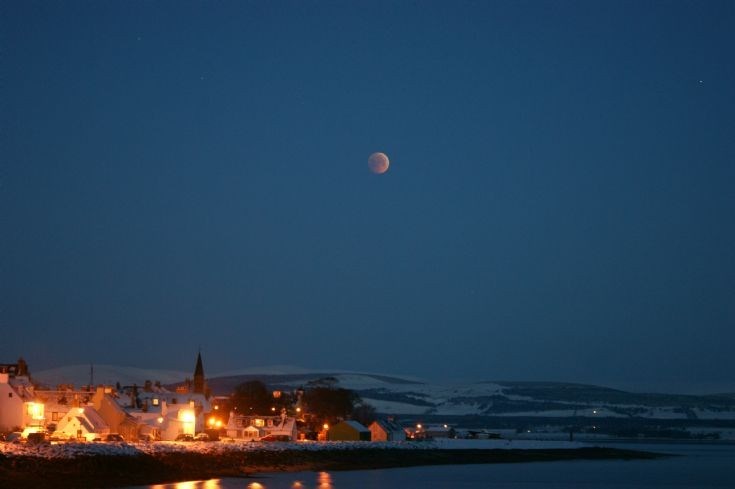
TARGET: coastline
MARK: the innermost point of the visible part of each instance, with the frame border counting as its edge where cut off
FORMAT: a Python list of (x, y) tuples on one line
[(115, 470)]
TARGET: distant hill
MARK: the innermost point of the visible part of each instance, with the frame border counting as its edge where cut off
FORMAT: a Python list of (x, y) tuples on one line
[(399, 395)]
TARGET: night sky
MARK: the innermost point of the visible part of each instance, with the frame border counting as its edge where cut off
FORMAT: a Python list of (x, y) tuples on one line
[(559, 204)]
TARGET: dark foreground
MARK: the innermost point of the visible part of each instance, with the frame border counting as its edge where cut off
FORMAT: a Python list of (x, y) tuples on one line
[(101, 471)]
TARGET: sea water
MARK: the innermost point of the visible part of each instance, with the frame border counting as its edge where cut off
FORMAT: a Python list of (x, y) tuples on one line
[(694, 466)]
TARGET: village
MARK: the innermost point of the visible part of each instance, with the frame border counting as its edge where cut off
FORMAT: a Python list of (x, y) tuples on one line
[(100, 435), (188, 412)]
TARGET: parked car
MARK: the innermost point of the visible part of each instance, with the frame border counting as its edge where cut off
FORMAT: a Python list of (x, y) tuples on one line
[(114, 437), (213, 434), (276, 438), (202, 437), (37, 438), (185, 437), (14, 437)]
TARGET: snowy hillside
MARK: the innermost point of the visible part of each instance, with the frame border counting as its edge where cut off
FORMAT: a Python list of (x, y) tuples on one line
[(407, 396), (402, 396)]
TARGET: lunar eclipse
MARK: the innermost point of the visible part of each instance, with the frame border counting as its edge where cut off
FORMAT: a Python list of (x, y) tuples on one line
[(378, 163)]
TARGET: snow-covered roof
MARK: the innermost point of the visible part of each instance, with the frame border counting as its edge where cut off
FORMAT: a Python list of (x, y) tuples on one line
[(83, 422), (355, 425), (173, 401), (86, 417), (94, 418), (22, 388), (388, 426)]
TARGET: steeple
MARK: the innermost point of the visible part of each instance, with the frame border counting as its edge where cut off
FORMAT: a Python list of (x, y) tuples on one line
[(22, 368), (199, 386)]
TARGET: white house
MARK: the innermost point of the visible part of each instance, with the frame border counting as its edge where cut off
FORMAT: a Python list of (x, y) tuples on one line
[(19, 407), (252, 427), (164, 415), (82, 423), (249, 433)]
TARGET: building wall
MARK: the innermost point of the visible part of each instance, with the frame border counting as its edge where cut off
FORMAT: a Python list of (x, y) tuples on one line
[(11, 408), (345, 432), (377, 433), (71, 427), (398, 436), (109, 410)]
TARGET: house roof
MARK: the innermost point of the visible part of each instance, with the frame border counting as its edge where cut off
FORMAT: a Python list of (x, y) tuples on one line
[(181, 400), (22, 388), (389, 426), (94, 418), (87, 417), (86, 425), (355, 425)]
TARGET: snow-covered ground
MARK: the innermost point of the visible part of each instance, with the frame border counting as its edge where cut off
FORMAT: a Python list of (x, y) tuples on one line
[(394, 407), (450, 443), (708, 414), (73, 450)]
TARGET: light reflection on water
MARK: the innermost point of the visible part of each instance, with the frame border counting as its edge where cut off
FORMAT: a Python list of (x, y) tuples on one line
[(208, 484), (323, 481), (698, 466)]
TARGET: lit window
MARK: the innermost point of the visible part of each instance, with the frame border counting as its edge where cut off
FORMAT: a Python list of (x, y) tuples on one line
[(155, 401)]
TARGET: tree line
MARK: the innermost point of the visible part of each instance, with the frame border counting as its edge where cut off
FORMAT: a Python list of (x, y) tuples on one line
[(319, 401)]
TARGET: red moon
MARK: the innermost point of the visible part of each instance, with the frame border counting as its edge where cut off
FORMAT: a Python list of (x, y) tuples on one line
[(378, 163)]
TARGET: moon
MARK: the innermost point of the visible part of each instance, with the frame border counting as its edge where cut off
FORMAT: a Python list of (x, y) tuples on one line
[(378, 163)]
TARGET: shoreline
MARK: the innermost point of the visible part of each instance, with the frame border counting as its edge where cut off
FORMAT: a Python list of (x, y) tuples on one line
[(110, 471)]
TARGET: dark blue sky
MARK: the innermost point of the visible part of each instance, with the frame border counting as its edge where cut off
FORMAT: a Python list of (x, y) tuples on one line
[(559, 204)]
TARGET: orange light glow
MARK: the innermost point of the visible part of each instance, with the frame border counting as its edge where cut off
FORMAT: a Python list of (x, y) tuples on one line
[(35, 410)]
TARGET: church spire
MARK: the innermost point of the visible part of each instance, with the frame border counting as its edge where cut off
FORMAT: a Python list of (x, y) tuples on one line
[(199, 375)]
